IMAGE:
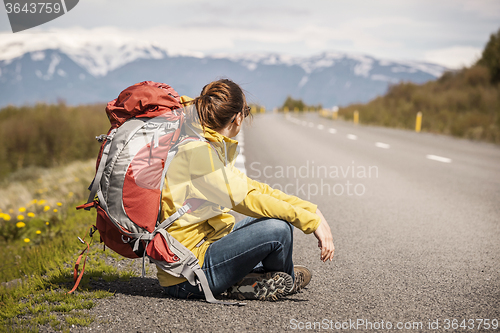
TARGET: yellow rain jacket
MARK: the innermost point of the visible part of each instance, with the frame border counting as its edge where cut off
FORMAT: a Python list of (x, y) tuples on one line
[(206, 171)]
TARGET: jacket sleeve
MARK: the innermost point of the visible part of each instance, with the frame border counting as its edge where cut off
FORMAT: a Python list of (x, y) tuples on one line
[(257, 204), (226, 187), (291, 199)]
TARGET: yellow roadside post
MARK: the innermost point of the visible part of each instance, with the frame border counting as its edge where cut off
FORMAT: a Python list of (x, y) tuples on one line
[(262, 109), (285, 109), (296, 109), (335, 112), (253, 109), (356, 117), (418, 122)]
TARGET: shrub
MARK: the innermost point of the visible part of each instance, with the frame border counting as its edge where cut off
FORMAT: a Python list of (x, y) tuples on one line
[(491, 57), (48, 135)]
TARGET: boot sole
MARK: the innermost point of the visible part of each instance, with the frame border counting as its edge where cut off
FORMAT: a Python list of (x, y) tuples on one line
[(269, 286)]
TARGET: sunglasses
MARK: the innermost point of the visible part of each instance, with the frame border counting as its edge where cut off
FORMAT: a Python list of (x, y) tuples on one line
[(246, 112)]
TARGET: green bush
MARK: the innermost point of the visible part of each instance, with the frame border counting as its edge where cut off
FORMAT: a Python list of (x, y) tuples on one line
[(48, 135), (298, 104), (491, 57), (463, 103)]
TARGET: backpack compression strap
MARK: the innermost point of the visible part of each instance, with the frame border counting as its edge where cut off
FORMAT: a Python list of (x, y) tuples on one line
[(98, 175)]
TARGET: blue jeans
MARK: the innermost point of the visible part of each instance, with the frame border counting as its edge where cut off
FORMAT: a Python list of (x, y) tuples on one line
[(263, 243)]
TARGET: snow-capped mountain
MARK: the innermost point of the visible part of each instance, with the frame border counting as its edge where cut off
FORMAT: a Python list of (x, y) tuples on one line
[(78, 69)]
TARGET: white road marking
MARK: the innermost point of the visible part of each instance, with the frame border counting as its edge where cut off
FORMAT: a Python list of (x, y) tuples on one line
[(439, 158), (240, 159), (382, 145)]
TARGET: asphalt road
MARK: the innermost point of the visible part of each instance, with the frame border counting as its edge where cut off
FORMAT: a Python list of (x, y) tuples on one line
[(416, 228)]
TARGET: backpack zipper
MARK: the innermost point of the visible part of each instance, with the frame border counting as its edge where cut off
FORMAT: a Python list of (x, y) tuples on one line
[(201, 242)]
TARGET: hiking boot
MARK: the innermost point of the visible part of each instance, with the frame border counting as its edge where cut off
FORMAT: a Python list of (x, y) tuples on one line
[(302, 278), (268, 286)]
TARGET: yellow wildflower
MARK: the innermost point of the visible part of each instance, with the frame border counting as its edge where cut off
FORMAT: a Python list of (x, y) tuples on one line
[(55, 210), (32, 202), (59, 204), (46, 208), (11, 211), (26, 240), (22, 209), (31, 214), (42, 202), (38, 232), (20, 217), (6, 217), (47, 223), (20, 224), (70, 194)]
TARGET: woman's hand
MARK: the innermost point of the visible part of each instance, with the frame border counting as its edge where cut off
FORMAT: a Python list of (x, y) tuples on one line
[(325, 238)]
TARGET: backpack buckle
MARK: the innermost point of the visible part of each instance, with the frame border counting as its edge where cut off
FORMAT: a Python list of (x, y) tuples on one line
[(92, 231), (101, 138)]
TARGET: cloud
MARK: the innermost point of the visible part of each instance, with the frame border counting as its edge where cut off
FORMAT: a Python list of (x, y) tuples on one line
[(485, 8), (454, 57), (389, 29)]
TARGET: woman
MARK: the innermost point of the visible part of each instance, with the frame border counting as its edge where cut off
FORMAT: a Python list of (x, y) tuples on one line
[(251, 259)]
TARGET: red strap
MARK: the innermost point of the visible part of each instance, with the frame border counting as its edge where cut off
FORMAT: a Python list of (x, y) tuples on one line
[(78, 277), (87, 205)]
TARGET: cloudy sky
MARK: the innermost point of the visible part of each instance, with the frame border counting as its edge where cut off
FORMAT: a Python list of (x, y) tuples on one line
[(448, 32)]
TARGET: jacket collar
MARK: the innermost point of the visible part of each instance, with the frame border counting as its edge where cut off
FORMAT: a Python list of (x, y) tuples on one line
[(215, 136), (226, 148)]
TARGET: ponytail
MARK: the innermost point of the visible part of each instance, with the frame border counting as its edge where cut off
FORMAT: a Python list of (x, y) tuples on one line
[(219, 102)]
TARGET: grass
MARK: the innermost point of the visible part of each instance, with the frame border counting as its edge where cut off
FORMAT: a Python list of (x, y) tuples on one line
[(463, 104), (37, 274), (48, 135), (38, 218), (41, 299)]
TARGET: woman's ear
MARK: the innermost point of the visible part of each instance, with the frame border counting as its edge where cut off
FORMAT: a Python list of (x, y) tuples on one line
[(239, 119)]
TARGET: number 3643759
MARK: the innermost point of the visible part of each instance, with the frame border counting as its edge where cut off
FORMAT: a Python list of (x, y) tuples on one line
[(484, 324), (33, 8)]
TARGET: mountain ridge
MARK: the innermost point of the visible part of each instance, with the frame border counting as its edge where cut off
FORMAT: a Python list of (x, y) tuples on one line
[(86, 71)]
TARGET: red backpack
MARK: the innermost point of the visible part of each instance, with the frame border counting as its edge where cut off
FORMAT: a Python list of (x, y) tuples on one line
[(146, 121)]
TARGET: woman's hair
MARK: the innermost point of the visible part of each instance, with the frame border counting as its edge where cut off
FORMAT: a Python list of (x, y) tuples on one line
[(219, 102)]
